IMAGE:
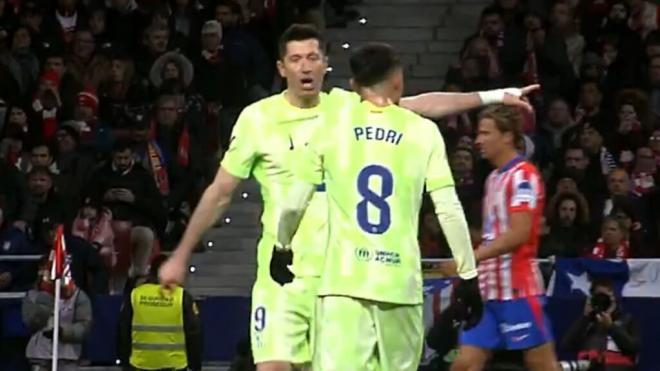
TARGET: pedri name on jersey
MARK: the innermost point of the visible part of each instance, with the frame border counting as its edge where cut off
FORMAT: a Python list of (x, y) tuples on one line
[(377, 133)]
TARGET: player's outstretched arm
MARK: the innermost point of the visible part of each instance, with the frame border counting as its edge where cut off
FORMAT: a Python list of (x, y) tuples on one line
[(295, 204), (211, 206), (519, 232), (450, 214), (292, 211), (436, 105)]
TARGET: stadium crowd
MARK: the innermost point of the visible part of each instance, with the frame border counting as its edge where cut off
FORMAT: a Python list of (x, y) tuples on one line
[(114, 114), (595, 133)]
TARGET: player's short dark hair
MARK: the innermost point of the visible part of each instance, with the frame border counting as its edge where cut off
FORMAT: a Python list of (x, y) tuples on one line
[(507, 120), (299, 32), (373, 63)]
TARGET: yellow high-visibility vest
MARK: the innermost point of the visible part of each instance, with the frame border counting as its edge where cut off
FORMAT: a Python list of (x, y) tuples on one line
[(158, 339)]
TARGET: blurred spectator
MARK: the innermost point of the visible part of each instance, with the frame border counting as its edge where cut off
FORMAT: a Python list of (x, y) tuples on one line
[(47, 103), (551, 136), (223, 85), (130, 193), (97, 24), (74, 165), (186, 23), (50, 205), (243, 49), (637, 229), (95, 226), (630, 127), (156, 43), (87, 270), (591, 139), (27, 61), (564, 23), (171, 66), (643, 17), (653, 87), (171, 154), (122, 95), (18, 208), (85, 64), (41, 155), (75, 323), (61, 22), (462, 164), (613, 242), (15, 139), (589, 100), (605, 333), (568, 219), (15, 275), (550, 62), (125, 24), (67, 85)]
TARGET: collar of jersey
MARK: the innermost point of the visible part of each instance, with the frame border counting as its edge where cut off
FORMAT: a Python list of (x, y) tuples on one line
[(513, 162), (308, 109)]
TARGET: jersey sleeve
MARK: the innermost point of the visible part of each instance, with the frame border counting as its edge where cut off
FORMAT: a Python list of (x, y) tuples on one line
[(525, 191), (242, 153), (438, 173)]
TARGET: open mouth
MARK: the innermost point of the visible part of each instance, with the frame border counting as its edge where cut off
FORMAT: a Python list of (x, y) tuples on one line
[(307, 83)]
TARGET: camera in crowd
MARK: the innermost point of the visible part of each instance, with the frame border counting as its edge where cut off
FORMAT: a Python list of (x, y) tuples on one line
[(600, 303), (581, 365)]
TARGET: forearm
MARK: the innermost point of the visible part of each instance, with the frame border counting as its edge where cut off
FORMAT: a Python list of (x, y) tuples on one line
[(450, 214), (438, 104), (627, 342), (293, 209), (211, 206), (505, 243), (575, 334)]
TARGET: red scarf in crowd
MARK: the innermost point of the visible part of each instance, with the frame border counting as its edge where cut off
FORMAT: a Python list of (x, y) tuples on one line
[(157, 161), (600, 251)]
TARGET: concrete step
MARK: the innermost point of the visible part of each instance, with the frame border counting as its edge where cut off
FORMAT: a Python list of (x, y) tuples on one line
[(200, 292), (235, 243), (401, 15), (384, 34), (238, 282), (341, 68), (456, 33), (423, 85), (409, 2), (221, 256)]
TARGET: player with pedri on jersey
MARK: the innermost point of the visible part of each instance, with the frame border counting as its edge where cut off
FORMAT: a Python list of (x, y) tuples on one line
[(510, 280)]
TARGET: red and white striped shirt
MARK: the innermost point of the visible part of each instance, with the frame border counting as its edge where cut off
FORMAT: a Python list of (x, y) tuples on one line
[(515, 187)]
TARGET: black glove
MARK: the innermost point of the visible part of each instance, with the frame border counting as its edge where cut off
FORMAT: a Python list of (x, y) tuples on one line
[(279, 266), (470, 307), (48, 334)]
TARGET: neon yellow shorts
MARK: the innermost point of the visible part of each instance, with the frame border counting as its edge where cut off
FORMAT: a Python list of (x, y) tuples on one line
[(281, 325), (362, 335)]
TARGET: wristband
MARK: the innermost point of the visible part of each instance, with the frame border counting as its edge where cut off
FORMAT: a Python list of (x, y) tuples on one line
[(280, 247), (497, 96)]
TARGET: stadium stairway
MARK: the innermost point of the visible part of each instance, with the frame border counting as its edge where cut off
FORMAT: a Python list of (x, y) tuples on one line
[(427, 33), (227, 265)]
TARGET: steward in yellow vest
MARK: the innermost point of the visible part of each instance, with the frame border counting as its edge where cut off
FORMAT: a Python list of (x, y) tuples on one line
[(158, 330)]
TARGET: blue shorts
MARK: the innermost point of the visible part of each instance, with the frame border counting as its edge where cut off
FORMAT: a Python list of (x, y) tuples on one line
[(510, 324)]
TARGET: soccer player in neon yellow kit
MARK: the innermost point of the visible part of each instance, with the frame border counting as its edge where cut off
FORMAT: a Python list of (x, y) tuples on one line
[(264, 143)]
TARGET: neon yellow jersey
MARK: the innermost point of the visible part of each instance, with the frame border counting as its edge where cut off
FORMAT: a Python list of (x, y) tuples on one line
[(265, 143), (374, 163)]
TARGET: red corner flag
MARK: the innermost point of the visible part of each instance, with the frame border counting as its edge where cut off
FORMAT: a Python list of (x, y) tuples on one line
[(58, 254)]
